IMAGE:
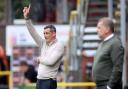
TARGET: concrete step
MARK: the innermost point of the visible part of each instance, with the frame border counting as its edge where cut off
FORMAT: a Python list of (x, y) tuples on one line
[(90, 37), (90, 44), (86, 41), (98, 4), (89, 29), (94, 10), (97, 14), (94, 18), (89, 53), (91, 24)]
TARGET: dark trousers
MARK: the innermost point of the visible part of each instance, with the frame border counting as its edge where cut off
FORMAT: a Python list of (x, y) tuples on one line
[(101, 87), (46, 84)]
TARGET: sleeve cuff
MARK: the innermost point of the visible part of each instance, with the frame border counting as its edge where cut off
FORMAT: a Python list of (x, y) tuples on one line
[(108, 87), (26, 18)]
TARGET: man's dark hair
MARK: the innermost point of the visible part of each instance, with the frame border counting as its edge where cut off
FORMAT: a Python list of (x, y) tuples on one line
[(52, 28), (23, 63), (108, 23)]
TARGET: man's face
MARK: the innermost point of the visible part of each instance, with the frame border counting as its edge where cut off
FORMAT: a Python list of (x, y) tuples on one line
[(23, 68), (102, 30), (48, 35)]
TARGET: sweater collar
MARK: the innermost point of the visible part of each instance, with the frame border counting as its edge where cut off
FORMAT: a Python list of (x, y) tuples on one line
[(54, 41)]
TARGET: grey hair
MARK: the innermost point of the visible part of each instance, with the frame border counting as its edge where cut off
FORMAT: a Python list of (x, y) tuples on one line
[(108, 23)]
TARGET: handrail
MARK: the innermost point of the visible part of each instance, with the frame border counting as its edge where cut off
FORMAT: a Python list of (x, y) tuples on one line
[(76, 17), (60, 84), (8, 73), (4, 72), (70, 84), (75, 84), (86, 11)]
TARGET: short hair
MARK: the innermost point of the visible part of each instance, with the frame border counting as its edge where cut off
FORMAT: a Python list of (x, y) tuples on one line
[(52, 28), (23, 63), (108, 23)]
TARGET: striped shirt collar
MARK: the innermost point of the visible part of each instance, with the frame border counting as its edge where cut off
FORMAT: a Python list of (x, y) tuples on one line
[(109, 37)]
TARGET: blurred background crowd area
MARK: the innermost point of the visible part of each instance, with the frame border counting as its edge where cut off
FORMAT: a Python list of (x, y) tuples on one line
[(75, 21), (24, 65), (44, 11)]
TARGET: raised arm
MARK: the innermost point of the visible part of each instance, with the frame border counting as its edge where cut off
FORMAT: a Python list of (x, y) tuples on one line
[(30, 27)]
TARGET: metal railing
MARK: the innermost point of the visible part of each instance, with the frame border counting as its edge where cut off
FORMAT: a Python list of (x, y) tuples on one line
[(59, 84), (69, 84), (8, 73), (75, 84), (77, 22)]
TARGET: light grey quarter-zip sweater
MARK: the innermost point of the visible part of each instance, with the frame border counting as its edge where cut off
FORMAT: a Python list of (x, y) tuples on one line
[(50, 56)]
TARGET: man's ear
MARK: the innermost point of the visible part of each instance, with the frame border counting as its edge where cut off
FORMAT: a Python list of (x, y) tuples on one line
[(54, 33), (107, 30)]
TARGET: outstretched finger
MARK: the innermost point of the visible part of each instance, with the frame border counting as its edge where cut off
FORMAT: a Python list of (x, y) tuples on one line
[(29, 6), (25, 7)]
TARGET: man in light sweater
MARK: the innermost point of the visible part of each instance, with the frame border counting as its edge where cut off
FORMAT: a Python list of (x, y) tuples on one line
[(108, 61), (51, 54)]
